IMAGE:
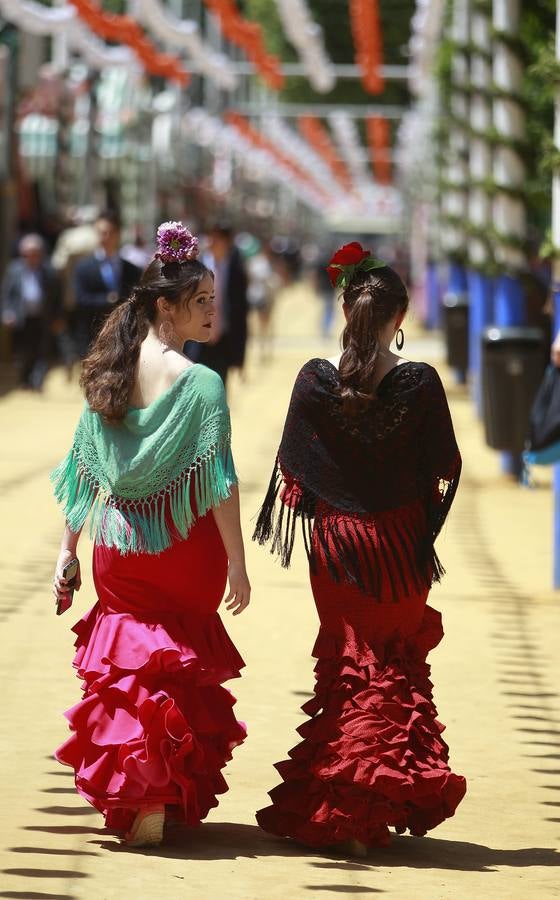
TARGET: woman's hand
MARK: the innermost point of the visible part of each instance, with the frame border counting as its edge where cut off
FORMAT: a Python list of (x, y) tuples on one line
[(60, 587), (239, 588)]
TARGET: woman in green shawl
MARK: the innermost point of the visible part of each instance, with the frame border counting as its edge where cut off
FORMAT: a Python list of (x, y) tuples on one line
[(151, 468)]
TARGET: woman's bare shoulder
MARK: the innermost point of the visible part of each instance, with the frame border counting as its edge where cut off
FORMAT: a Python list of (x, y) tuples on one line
[(174, 366), (157, 374)]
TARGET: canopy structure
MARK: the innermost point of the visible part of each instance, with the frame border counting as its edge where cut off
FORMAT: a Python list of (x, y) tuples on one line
[(297, 100)]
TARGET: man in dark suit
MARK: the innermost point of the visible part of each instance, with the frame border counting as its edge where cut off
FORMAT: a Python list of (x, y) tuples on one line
[(226, 347), (101, 281), (31, 308)]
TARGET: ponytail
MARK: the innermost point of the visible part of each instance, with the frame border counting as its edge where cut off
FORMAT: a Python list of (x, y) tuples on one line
[(372, 299), (360, 342), (109, 369)]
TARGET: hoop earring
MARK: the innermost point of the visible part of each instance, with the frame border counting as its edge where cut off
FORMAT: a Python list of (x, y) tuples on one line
[(399, 339), (167, 335)]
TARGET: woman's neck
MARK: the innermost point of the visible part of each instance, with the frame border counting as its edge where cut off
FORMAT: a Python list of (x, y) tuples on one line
[(386, 359), (154, 338)]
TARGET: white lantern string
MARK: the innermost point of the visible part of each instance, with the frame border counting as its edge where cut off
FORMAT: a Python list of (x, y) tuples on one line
[(184, 34), (209, 131), (426, 25), (34, 18), (293, 146), (354, 154), (307, 38), (318, 190), (414, 137)]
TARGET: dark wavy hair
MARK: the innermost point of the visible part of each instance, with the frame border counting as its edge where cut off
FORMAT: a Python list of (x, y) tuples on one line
[(372, 299), (109, 369)]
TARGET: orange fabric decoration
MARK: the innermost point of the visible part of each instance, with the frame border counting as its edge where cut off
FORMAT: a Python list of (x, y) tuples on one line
[(125, 30), (378, 133), (249, 37), (317, 135), (368, 41)]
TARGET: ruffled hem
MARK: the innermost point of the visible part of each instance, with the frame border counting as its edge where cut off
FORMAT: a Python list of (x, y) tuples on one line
[(372, 754), (154, 725)]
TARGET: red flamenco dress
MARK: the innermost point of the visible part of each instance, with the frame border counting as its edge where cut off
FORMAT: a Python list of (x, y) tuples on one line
[(371, 497), (155, 725)]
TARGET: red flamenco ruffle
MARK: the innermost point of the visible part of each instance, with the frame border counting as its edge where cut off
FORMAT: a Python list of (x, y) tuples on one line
[(372, 754), (154, 724)]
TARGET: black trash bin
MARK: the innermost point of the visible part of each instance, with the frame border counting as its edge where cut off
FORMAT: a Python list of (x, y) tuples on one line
[(512, 370), (456, 330)]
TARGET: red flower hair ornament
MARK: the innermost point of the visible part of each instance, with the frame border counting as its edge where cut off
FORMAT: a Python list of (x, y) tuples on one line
[(351, 258)]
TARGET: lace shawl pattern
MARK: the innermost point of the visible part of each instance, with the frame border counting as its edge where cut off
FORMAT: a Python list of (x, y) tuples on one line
[(396, 467), (186, 469)]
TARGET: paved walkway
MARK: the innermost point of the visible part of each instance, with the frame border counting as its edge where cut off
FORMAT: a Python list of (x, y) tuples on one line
[(496, 680)]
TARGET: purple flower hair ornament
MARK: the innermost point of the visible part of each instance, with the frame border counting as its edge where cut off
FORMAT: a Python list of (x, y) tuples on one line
[(175, 243)]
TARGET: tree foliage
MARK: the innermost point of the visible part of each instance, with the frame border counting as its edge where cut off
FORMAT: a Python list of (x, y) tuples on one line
[(542, 80)]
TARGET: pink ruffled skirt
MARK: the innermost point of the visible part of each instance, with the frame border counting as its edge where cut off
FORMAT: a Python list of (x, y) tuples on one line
[(155, 724)]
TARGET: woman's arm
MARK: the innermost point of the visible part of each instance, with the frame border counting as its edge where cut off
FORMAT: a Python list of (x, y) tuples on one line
[(229, 525), (440, 458), (68, 550)]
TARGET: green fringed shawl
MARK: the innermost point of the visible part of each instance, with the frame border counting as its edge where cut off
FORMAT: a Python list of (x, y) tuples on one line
[(136, 479)]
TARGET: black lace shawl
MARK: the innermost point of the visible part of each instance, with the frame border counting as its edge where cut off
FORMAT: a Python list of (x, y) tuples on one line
[(401, 453)]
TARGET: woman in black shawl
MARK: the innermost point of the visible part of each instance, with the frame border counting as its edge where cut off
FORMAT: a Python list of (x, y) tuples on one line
[(368, 467)]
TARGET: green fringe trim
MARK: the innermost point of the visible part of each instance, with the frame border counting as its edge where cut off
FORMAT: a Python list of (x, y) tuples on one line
[(141, 526)]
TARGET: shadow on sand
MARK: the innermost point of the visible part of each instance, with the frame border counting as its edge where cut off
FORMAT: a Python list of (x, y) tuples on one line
[(226, 840)]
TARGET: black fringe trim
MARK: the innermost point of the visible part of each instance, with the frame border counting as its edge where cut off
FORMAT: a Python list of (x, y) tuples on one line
[(404, 558), (277, 521), (440, 503)]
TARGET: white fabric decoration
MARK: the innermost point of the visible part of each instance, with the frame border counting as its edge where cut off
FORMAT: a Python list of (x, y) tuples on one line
[(354, 154), (307, 38), (33, 17), (209, 131), (185, 34)]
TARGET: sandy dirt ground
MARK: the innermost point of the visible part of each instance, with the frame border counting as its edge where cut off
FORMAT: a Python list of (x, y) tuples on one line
[(496, 678)]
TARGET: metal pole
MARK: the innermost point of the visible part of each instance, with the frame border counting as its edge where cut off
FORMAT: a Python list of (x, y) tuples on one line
[(556, 293), (509, 174), (480, 206), (433, 294), (455, 199), (293, 110), (88, 187), (247, 69), (9, 43), (556, 290)]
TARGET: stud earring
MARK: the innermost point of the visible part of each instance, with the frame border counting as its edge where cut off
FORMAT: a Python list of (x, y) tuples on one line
[(399, 339)]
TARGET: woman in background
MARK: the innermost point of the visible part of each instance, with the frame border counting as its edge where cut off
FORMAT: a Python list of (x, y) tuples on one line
[(151, 467)]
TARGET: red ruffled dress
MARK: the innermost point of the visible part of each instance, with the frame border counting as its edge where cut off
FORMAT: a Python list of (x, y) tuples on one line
[(155, 724), (372, 754)]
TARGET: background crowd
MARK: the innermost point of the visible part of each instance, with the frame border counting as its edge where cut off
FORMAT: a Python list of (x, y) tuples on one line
[(54, 300), (56, 293)]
